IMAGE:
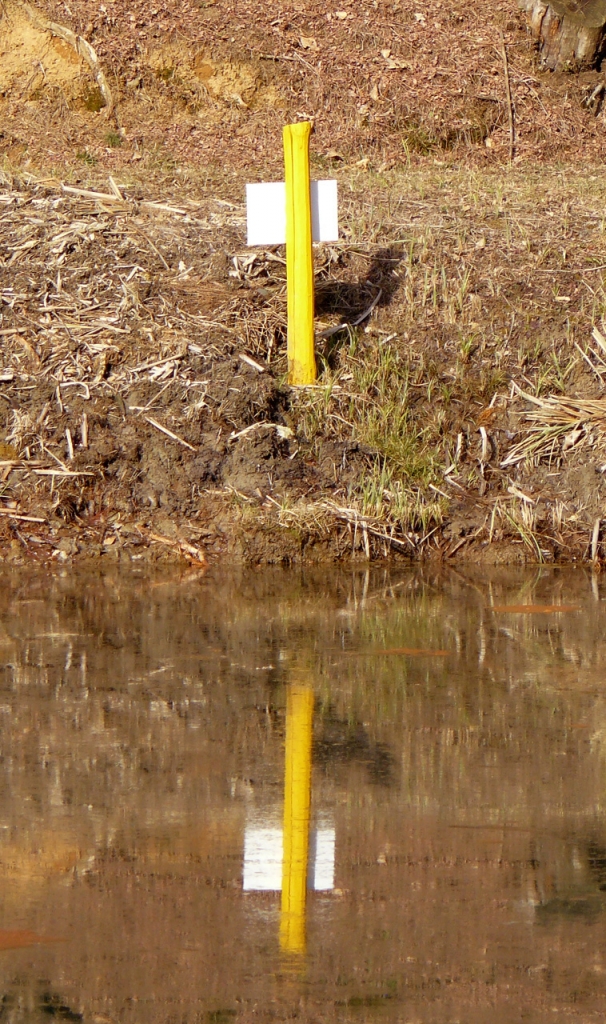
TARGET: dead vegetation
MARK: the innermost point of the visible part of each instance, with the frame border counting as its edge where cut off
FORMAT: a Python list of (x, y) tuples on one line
[(142, 382), (387, 82), (142, 396)]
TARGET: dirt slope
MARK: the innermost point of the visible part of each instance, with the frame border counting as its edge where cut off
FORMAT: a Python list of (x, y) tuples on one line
[(213, 83), (143, 402)]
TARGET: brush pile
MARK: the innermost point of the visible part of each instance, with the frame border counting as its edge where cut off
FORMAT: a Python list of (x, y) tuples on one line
[(559, 424), (136, 392)]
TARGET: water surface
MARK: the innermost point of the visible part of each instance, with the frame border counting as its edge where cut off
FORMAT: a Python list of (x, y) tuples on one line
[(330, 796)]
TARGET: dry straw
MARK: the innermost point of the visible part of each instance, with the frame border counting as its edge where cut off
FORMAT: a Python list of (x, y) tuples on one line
[(558, 424)]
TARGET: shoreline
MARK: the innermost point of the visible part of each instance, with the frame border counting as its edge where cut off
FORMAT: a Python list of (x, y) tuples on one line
[(146, 413)]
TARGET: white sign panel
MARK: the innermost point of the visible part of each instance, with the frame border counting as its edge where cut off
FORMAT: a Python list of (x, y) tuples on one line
[(262, 859), (263, 852), (324, 861), (266, 212), (324, 211)]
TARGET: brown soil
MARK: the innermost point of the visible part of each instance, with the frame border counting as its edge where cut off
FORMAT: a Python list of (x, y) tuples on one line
[(140, 488), (214, 83), (127, 307)]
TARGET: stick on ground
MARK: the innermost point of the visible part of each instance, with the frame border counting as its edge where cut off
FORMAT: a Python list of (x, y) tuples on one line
[(510, 110)]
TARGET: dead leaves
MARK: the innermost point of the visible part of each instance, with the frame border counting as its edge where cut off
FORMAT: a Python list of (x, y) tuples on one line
[(393, 63)]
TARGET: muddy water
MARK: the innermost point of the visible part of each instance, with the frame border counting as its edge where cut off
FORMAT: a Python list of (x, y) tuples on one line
[(338, 797)]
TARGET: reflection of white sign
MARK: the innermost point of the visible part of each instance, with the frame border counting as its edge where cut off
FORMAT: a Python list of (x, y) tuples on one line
[(266, 212), (263, 859), (324, 859)]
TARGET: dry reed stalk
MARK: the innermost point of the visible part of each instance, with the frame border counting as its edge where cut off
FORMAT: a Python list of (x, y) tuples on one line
[(510, 108), (556, 420), (320, 513)]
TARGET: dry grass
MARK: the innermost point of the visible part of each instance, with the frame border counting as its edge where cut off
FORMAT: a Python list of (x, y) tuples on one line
[(481, 285), (485, 286), (93, 298), (559, 424)]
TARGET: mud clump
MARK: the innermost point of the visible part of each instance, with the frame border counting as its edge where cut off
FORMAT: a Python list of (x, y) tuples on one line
[(241, 441), (132, 490)]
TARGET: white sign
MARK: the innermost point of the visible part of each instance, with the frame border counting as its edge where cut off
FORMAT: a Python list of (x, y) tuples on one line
[(266, 212), (263, 853), (323, 860), (262, 859)]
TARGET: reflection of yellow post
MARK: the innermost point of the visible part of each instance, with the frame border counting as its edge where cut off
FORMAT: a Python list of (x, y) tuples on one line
[(299, 255), (297, 798)]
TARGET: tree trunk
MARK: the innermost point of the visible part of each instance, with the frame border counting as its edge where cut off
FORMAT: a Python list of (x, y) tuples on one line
[(569, 33)]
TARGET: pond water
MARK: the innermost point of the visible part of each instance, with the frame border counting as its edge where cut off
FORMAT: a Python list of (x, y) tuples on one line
[(323, 795)]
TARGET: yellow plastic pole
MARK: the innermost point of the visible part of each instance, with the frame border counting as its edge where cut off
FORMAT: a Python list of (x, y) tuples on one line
[(299, 255), (297, 799)]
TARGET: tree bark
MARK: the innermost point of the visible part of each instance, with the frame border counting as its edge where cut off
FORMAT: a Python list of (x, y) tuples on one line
[(569, 33)]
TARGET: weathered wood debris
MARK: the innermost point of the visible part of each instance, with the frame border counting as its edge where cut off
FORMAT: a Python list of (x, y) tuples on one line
[(569, 33)]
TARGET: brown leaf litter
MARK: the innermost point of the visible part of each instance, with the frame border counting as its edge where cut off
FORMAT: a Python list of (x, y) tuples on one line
[(385, 82), (130, 418)]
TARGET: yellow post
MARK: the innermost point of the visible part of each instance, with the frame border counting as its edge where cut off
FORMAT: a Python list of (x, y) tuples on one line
[(297, 799), (299, 255)]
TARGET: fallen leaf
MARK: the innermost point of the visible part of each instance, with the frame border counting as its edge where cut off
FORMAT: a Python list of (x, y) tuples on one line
[(535, 609), (374, 93), (308, 43), (238, 99), (517, 493), (394, 64), (571, 439), (485, 416), (17, 939), (341, 15)]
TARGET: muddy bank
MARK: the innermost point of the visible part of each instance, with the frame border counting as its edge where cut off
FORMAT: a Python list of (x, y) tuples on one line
[(144, 412), (211, 465), (143, 409), (134, 487)]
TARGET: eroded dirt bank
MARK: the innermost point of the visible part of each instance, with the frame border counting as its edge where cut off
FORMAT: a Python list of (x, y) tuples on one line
[(461, 336), (143, 398), (133, 489)]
